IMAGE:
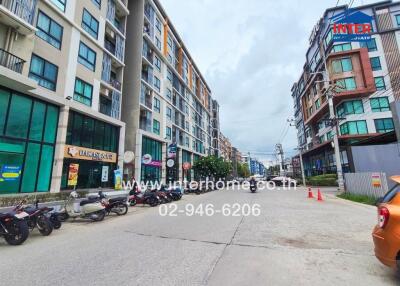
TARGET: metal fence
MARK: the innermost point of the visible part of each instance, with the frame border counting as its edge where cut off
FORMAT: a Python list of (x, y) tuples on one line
[(369, 184)]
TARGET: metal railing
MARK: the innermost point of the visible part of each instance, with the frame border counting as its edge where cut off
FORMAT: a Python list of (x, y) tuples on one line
[(24, 9), (11, 61), (115, 83)]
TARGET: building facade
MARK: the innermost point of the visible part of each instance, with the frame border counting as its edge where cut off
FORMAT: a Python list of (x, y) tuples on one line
[(215, 128), (61, 70), (168, 105), (225, 147), (363, 79)]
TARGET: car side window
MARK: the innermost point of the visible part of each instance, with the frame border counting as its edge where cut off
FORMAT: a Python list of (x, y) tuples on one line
[(391, 194)]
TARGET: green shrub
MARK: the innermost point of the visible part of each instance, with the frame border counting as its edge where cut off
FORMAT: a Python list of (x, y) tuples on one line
[(326, 180), (358, 198)]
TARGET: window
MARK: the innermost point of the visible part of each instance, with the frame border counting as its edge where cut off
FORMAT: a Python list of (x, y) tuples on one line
[(346, 83), (49, 30), (370, 45), (157, 63), (156, 127), (322, 138), (187, 144), (169, 113), (44, 72), (97, 3), (156, 105), (342, 65), (341, 47), (169, 75), (317, 104), (380, 83), (60, 4), (169, 94), (350, 107), (87, 56), (168, 133), (384, 125), (354, 127), (187, 127), (398, 20), (375, 63), (329, 135), (158, 24), (90, 24), (328, 37), (157, 84), (158, 43), (379, 104), (83, 92)]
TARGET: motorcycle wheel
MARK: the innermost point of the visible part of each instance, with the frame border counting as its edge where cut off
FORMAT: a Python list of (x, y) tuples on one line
[(44, 225), (153, 202), (120, 209), (63, 217), (55, 221), (132, 203), (99, 216), (19, 232)]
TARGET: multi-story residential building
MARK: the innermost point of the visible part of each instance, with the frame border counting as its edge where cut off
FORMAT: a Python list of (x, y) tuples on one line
[(61, 70), (215, 128), (225, 147), (168, 104), (364, 77)]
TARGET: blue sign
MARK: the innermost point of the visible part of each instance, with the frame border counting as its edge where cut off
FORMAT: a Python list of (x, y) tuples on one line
[(351, 26), (10, 173)]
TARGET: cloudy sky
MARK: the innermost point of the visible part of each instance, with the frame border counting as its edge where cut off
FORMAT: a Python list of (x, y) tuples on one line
[(250, 52)]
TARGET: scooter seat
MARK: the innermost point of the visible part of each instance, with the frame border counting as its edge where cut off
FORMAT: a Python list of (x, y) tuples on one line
[(118, 199), (85, 202)]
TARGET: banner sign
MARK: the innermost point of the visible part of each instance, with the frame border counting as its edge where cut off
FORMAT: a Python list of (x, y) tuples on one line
[(82, 153), (10, 173), (118, 179), (104, 174), (376, 180), (351, 26), (171, 153), (73, 174)]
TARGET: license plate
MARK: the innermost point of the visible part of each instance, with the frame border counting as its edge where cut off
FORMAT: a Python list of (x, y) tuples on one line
[(21, 215)]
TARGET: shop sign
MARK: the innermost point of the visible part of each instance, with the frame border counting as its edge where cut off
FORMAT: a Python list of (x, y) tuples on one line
[(129, 156), (170, 163), (89, 154), (171, 150), (73, 174), (10, 173), (118, 179), (376, 180), (186, 166), (147, 159), (351, 26), (104, 174)]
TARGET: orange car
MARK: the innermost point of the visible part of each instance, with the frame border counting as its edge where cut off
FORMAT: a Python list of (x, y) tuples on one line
[(386, 233)]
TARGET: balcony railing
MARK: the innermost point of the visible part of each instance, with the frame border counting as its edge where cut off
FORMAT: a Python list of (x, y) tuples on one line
[(115, 83), (24, 9), (11, 61)]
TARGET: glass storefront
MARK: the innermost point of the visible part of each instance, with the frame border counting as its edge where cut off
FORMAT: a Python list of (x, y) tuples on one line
[(186, 158), (93, 145), (28, 129), (151, 171)]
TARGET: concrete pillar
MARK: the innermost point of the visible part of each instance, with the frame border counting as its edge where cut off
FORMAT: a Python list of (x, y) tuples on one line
[(59, 150), (138, 156), (164, 163)]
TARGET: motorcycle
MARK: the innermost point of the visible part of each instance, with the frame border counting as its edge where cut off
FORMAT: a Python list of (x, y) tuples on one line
[(114, 205), (87, 208), (14, 228), (253, 187), (174, 194), (146, 198), (37, 218), (165, 197)]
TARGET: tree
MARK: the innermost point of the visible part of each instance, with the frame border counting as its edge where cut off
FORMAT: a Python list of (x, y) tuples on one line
[(212, 167), (243, 170)]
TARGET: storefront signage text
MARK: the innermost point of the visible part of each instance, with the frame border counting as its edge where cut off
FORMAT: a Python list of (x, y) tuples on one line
[(89, 154)]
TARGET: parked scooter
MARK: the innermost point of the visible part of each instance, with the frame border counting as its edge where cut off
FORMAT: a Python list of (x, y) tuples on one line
[(37, 218), (146, 198), (13, 227), (164, 196), (87, 208), (118, 205), (253, 186), (174, 194)]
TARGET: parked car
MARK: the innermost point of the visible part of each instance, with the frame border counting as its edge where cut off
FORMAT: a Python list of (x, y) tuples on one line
[(386, 233), (284, 181)]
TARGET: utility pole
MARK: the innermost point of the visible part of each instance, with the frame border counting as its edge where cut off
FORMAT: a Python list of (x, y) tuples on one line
[(303, 176), (279, 150)]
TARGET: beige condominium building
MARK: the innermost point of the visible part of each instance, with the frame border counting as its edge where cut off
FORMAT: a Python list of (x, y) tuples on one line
[(167, 103), (61, 70)]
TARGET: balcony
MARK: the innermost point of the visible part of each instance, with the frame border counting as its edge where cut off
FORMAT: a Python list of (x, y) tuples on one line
[(11, 61), (18, 14), (111, 16), (147, 74), (146, 97), (145, 120), (115, 46), (105, 105)]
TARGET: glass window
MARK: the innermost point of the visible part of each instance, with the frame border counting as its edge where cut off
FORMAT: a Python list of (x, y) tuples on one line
[(44, 72), (380, 83), (354, 127), (49, 30), (83, 92), (157, 63), (51, 124), (168, 133), (37, 122), (398, 20), (346, 83), (87, 56), (87, 132), (158, 43), (370, 45), (156, 127), (341, 47), (107, 137), (90, 24), (157, 105), (379, 104), (98, 135), (97, 3), (375, 63), (60, 4), (342, 65), (157, 84), (328, 37), (384, 125), (76, 129), (350, 107), (4, 99), (30, 168), (158, 24), (18, 116), (46, 163)]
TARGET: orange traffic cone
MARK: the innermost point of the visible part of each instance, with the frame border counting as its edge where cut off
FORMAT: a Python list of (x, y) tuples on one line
[(310, 194), (319, 196)]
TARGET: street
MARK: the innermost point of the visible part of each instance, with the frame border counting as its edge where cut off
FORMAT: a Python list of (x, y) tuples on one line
[(294, 241)]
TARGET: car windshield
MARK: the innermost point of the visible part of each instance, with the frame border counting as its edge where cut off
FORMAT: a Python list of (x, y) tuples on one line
[(391, 193)]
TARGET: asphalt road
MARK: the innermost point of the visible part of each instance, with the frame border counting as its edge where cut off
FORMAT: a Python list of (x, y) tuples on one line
[(294, 241)]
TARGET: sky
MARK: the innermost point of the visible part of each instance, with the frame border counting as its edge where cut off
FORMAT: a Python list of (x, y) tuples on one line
[(250, 53)]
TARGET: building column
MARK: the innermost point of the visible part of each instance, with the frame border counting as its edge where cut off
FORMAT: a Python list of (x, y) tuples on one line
[(138, 157), (59, 150), (121, 147), (180, 172), (164, 163)]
